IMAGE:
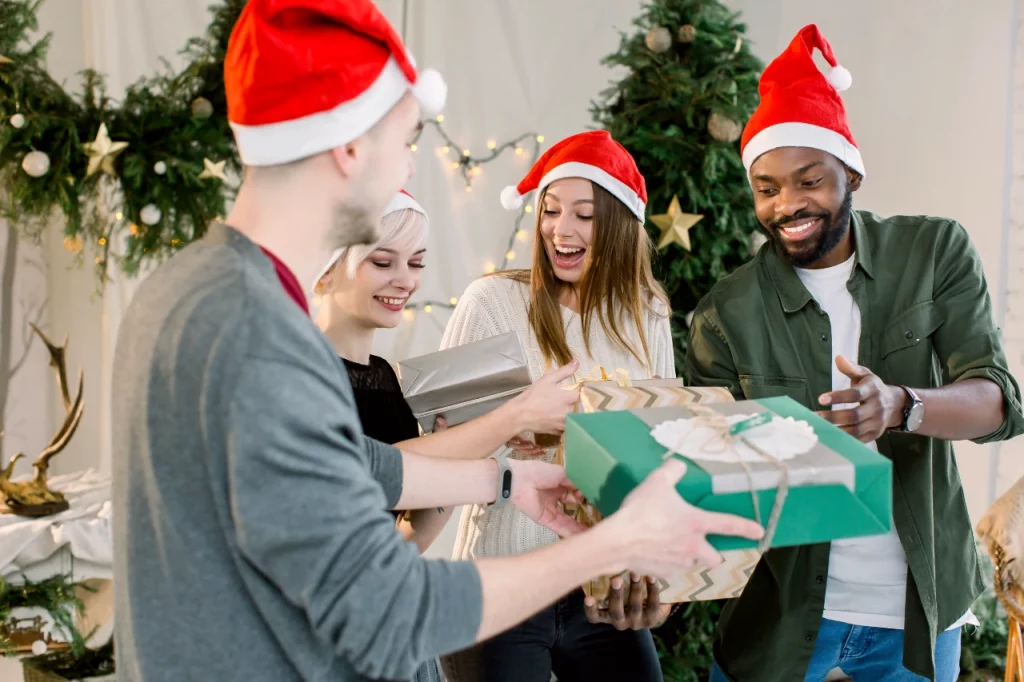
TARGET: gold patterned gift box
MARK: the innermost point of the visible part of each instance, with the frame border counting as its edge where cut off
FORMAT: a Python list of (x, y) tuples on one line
[(725, 581)]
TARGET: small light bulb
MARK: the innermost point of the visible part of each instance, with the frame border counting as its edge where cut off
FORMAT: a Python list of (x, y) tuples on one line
[(102, 241), (491, 144), (511, 255), (455, 164), (465, 152), (407, 314), (489, 268), (477, 170), (446, 149), (540, 138), (521, 235), (97, 260), (427, 308), (519, 151), (440, 118), (119, 216), (412, 147), (528, 208), (469, 188), (453, 300)]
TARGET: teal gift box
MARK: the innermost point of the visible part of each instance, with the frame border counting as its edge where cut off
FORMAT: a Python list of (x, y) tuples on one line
[(839, 488)]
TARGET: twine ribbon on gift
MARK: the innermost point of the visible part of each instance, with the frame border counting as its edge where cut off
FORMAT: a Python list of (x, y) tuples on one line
[(724, 436)]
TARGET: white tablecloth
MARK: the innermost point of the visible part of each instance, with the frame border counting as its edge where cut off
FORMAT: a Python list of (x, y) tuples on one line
[(77, 541)]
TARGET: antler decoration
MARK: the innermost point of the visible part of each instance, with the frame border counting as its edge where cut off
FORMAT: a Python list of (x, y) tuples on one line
[(34, 497)]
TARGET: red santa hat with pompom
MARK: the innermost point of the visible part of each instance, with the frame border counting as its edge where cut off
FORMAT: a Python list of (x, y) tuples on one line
[(800, 106), (592, 155), (400, 202), (305, 76)]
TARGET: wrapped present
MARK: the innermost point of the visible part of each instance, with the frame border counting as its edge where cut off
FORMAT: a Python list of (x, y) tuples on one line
[(725, 581), (464, 382), (771, 460)]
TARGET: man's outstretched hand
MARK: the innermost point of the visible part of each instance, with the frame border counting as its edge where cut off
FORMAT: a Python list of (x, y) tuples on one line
[(539, 490), (627, 609)]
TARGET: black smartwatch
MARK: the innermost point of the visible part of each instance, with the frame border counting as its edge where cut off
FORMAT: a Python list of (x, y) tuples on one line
[(504, 483), (913, 413)]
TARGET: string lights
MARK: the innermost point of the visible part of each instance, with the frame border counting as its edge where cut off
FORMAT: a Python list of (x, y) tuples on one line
[(470, 166)]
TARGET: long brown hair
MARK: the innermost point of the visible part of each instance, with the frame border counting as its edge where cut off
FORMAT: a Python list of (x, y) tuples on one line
[(617, 282)]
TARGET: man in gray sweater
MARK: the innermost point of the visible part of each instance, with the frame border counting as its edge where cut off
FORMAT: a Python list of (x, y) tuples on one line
[(251, 517)]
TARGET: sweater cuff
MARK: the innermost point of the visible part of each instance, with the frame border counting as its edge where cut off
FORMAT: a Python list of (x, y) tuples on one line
[(386, 468)]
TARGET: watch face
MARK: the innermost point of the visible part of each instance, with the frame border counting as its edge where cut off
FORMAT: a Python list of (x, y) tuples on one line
[(915, 417)]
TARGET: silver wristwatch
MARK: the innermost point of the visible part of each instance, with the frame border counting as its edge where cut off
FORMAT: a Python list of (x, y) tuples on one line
[(913, 413)]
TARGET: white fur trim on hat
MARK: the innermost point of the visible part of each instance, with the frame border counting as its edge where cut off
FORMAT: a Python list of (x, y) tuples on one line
[(617, 188), (802, 135), (402, 201), (279, 143)]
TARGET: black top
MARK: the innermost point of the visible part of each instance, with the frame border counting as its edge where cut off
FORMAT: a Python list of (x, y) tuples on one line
[(383, 412)]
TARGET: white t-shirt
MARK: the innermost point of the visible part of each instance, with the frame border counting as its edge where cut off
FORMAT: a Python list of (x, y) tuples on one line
[(867, 576)]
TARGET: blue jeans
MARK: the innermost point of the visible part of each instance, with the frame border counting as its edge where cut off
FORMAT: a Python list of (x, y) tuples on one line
[(872, 655), (560, 639)]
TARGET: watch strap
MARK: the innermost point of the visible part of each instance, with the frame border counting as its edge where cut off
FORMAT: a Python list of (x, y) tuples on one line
[(504, 483)]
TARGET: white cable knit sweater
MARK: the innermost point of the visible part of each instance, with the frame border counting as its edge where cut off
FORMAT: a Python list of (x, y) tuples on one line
[(496, 305)]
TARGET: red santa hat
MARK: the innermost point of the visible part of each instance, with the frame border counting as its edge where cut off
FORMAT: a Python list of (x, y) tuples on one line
[(800, 106), (594, 156), (305, 76), (400, 202)]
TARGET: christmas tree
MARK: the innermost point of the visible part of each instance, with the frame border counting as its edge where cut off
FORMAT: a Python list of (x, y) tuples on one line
[(691, 84), (680, 109)]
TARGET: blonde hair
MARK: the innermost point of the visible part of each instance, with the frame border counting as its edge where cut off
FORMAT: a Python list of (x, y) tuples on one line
[(398, 227), (617, 283)]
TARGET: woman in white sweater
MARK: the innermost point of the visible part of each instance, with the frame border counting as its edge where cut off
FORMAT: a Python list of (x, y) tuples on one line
[(590, 295)]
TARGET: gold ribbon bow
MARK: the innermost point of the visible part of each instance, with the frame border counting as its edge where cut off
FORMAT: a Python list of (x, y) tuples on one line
[(723, 439), (619, 375)]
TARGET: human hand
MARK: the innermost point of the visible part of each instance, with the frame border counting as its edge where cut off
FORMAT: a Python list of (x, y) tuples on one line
[(662, 534), (627, 609), (542, 407), (539, 490), (440, 424), (869, 406)]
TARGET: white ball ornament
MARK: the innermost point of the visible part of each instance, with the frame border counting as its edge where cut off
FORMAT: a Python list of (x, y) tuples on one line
[(159, 167), (39, 647), (150, 214), (18, 120), (36, 164)]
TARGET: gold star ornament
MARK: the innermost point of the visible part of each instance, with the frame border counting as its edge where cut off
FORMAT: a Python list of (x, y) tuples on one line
[(675, 225), (102, 151), (213, 170), (5, 60)]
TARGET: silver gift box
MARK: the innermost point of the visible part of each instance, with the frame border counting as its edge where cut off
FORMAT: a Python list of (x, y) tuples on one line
[(464, 382)]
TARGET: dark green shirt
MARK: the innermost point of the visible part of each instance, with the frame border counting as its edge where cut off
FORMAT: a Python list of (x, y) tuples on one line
[(926, 321)]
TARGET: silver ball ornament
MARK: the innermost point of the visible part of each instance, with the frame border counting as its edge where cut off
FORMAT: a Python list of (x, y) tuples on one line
[(149, 215), (658, 39), (36, 164)]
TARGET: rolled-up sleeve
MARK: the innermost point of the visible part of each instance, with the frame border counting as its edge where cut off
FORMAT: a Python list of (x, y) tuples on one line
[(968, 343), (309, 504)]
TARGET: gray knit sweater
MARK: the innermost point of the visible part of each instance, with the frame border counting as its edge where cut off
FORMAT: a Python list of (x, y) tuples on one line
[(251, 531)]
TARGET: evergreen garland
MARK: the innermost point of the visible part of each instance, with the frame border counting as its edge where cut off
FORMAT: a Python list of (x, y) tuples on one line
[(691, 84), (175, 120)]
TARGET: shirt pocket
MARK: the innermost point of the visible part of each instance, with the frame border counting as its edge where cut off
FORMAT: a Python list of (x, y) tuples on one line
[(756, 386), (906, 348)]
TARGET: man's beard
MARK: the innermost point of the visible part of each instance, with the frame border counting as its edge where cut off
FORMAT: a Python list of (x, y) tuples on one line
[(352, 225), (833, 229)]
